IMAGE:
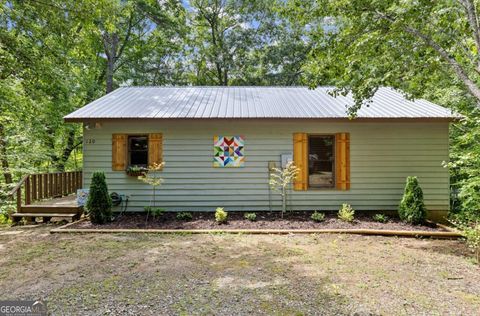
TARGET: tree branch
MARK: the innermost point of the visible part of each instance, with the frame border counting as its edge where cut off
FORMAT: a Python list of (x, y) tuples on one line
[(454, 64), (473, 22), (127, 36)]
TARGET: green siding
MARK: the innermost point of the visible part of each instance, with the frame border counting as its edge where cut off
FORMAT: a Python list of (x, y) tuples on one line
[(382, 156)]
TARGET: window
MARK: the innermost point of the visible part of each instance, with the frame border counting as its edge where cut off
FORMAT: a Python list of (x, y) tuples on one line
[(321, 161), (138, 151)]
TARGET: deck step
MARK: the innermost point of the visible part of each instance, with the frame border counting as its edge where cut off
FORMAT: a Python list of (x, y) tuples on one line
[(59, 209), (44, 214), (30, 217)]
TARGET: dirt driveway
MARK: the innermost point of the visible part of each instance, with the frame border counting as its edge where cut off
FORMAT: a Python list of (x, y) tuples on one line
[(135, 274)]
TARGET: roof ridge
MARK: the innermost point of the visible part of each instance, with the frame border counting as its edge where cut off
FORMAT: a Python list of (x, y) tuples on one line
[(176, 87)]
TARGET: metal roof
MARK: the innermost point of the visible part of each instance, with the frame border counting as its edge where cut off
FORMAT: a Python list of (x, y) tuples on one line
[(250, 102)]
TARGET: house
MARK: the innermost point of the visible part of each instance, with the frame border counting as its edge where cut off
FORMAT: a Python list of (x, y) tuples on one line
[(220, 143)]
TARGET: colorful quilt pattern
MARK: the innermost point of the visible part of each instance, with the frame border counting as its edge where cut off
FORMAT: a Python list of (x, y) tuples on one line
[(228, 151)]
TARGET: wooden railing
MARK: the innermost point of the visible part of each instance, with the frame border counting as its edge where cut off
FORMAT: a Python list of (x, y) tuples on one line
[(41, 186)]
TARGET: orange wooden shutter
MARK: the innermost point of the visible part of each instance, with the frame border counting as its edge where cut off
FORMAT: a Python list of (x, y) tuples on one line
[(342, 161), (155, 148), (119, 152), (300, 158)]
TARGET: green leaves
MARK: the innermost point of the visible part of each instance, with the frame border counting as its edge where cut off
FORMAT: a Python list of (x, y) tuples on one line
[(412, 208), (99, 203)]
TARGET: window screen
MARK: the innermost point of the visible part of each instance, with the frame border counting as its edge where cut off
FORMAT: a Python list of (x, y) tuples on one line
[(138, 151), (321, 161)]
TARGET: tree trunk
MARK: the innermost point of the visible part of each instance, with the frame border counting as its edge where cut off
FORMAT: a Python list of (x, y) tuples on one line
[(110, 45), (59, 161), (109, 76), (66, 151), (3, 157)]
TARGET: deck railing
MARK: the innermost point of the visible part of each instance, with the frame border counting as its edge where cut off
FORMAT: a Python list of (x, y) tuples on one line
[(41, 186)]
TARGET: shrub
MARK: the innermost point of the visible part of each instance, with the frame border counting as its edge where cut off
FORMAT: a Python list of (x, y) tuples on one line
[(184, 216), (250, 216), (346, 213), (221, 215), (318, 217), (99, 203), (6, 208), (472, 234), (381, 218), (5, 219), (155, 211), (412, 209)]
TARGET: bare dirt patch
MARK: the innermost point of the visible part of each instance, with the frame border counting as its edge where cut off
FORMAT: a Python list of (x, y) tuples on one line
[(236, 220), (226, 274)]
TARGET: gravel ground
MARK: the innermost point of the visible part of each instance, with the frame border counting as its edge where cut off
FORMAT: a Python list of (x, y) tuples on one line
[(224, 274), (236, 220)]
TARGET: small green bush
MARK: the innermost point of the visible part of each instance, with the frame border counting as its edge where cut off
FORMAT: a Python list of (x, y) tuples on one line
[(471, 232), (250, 216), (155, 211), (184, 216), (99, 203), (221, 215), (6, 208), (381, 218), (318, 217), (412, 210), (5, 219), (346, 213)]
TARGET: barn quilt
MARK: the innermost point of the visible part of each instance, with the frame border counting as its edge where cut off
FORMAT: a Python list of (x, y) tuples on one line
[(228, 151)]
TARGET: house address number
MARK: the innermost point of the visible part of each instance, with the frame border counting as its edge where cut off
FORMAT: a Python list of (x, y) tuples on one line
[(90, 141)]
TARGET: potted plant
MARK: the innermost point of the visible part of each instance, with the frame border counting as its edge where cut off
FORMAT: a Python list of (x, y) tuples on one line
[(136, 171)]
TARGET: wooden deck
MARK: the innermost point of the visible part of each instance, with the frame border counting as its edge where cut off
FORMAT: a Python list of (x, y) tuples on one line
[(69, 200), (63, 207), (47, 195)]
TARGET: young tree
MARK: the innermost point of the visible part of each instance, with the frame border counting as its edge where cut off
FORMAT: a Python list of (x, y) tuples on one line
[(152, 177), (281, 179)]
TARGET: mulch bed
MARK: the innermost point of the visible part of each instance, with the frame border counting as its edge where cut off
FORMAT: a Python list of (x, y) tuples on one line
[(265, 220)]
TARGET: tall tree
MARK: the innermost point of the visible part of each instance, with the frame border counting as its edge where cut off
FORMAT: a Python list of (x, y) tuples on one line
[(43, 45), (238, 42), (156, 54), (120, 26), (361, 45)]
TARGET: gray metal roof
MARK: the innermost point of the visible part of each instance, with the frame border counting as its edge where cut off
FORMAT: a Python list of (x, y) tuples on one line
[(249, 102)]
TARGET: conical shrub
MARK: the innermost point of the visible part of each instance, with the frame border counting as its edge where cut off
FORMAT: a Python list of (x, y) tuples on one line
[(99, 203), (412, 208)]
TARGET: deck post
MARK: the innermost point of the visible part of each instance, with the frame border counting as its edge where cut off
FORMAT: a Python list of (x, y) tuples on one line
[(57, 184), (28, 192), (69, 183), (60, 184), (50, 184), (40, 186), (65, 184), (19, 199), (45, 185), (34, 187)]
